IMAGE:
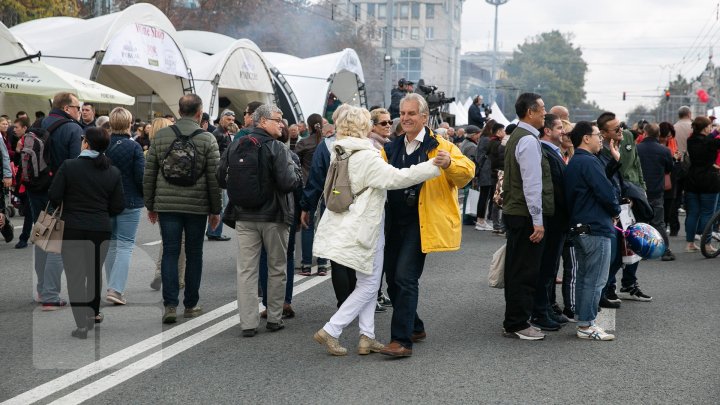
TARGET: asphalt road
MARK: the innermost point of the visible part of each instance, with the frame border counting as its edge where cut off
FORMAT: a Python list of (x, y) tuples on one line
[(666, 351)]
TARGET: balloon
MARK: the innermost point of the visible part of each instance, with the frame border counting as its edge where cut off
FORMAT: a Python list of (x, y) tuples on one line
[(703, 96), (645, 241)]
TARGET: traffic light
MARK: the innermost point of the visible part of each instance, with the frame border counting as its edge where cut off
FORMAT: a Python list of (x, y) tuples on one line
[(623, 96), (667, 95)]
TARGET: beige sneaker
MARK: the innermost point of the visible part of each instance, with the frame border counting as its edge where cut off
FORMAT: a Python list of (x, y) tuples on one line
[(332, 344), (192, 312), (367, 345)]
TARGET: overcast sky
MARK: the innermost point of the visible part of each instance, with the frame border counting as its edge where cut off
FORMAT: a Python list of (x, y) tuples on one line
[(629, 45)]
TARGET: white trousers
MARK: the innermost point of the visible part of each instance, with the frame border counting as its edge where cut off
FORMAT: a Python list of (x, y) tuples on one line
[(361, 302)]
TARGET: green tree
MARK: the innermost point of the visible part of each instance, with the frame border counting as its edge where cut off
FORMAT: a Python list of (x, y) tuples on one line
[(551, 66), (13, 12)]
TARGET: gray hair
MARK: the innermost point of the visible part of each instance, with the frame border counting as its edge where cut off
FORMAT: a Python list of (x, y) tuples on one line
[(264, 111), (422, 104), (684, 111)]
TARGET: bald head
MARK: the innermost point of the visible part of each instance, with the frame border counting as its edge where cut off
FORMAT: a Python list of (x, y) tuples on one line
[(561, 112)]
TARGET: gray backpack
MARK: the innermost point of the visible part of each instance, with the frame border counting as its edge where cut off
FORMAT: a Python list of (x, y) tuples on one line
[(338, 195)]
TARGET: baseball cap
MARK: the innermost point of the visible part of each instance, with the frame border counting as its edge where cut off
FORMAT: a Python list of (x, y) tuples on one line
[(472, 129), (403, 82)]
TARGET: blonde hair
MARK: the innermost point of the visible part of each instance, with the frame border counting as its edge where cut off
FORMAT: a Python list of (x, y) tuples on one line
[(376, 113), (339, 110), (158, 124), (352, 122), (120, 120)]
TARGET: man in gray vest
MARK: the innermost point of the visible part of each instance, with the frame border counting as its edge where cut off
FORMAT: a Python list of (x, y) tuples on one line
[(527, 196)]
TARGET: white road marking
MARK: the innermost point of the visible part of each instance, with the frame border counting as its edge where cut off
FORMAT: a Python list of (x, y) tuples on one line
[(124, 374), (157, 242), (18, 227)]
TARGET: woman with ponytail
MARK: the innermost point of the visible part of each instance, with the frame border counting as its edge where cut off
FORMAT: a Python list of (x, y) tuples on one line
[(90, 191), (305, 149)]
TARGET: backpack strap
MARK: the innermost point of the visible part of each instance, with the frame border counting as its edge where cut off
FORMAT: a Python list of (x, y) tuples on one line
[(179, 134), (57, 124)]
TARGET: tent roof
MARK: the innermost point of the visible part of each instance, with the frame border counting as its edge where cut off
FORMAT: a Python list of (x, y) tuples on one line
[(11, 47), (313, 78), (206, 42)]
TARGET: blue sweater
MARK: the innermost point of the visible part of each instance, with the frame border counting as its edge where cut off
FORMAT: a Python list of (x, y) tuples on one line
[(127, 155), (316, 179), (590, 195)]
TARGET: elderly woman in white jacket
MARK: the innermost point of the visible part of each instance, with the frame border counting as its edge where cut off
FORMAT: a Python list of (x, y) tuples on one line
[(351, 239)]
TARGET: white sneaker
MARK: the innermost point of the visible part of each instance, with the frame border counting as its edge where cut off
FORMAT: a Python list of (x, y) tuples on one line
[(483, 226), (594, 333)]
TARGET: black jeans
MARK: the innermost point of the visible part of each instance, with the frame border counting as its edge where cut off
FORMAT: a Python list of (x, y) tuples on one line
[(403, 263), (549, 264), (343, 281), (669, 219), (485, 194), (522, 267), (83, 254)]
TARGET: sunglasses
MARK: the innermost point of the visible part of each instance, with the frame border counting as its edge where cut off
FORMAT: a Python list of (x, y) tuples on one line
[(384, 123)]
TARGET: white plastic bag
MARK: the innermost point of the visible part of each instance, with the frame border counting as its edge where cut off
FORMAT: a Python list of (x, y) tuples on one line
[(496, 275)]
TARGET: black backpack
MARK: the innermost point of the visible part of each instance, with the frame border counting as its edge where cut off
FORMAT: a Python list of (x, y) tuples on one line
[(247, 178), (178, 164)]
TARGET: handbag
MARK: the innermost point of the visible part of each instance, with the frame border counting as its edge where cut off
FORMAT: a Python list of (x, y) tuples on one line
[(47, 233), (496, 275)]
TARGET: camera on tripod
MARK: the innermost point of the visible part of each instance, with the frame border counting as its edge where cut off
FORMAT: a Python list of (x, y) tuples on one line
[(434, 98)]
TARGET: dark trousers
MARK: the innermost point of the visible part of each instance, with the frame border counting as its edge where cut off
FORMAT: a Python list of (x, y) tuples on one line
[(83, 254), (570, 266), (522, 266), (404, 262), (629, 277), (172, 227), (343, 281), (485, 194), (27, 220), (549, 264), (671, 220)]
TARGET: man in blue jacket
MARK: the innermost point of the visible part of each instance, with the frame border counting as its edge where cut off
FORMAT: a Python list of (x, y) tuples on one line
[(593, 206), (656, 162), (64, 143)]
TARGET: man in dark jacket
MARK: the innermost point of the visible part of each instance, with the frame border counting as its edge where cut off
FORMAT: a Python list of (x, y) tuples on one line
[(396, 94), (65, 142), (224, 138), (656, 162), (183, 209), (477, 112), (556, 226), (593, 204), (265, 226)]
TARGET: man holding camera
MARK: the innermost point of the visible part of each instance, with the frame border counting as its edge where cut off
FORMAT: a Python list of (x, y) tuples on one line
[(404, 88), (420, 219)]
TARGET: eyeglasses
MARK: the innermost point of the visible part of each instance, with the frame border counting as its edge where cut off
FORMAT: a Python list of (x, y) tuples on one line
[(617, 129), (75, 106), (278, 120), (384, 123)]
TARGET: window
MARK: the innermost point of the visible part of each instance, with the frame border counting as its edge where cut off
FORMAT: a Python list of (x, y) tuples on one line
[(408, 64), (403, 32), (404, 10), (415, 33), (429, 33), (382, 10), (371, 10), (415, 6), (429, 11)]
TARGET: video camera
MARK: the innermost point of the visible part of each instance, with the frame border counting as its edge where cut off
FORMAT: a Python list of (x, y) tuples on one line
[(434, 98)]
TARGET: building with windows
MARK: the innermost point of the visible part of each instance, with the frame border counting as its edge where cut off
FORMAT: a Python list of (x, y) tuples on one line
[(425, 40)]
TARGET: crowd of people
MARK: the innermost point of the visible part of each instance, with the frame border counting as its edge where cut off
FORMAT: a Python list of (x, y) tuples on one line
[(555, 189)]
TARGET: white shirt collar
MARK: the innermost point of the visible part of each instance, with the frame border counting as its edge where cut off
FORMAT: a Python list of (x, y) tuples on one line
[(420, 138), (529, 127)]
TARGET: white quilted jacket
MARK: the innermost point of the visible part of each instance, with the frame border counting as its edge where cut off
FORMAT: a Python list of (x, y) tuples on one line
[(349, 238)]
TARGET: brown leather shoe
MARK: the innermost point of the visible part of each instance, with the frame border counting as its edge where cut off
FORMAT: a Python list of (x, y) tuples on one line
[(395, 349), (418, 336), (263, 314)]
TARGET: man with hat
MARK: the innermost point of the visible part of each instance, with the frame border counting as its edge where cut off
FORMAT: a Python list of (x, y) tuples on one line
[(403, 88), (224, 137), (468, 147)]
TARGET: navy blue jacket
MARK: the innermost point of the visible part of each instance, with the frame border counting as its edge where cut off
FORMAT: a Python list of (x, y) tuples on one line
[(656, 161), (127, 155), (65, 141), (557, 172), (316, 179), (590, 195)]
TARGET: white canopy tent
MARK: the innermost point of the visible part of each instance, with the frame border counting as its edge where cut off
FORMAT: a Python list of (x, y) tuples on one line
[(228, 73), (313, 79), (134, 51)]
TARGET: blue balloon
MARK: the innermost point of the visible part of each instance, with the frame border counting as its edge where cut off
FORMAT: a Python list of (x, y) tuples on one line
[(645, 241)]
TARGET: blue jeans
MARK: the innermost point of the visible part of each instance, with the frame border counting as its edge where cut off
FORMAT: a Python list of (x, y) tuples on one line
[(404, 262), (218, 231), (172, 225), (48, 266), (593, 255), (307, 235), (122, 243), (290, 269), (699, 209)]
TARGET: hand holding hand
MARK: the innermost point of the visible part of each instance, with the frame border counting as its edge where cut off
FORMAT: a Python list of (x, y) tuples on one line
[(442, 160)]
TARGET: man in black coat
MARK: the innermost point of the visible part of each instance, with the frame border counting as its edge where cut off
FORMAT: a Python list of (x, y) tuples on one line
[(656, 162)]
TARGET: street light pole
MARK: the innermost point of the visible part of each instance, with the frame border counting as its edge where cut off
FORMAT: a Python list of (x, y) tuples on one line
[(387, 60), (493, 90)]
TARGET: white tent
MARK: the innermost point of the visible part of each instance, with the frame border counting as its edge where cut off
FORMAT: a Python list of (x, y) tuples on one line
[(134, 51), (227, 72), (312, 79)]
